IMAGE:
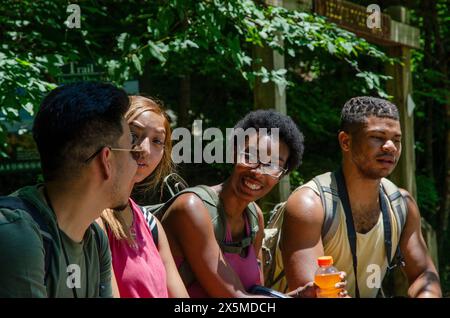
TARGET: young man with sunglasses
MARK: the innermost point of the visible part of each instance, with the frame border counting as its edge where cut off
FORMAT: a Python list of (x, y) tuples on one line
[(51, 246)]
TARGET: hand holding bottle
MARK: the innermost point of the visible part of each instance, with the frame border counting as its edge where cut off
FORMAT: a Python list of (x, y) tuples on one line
[(330, 282)]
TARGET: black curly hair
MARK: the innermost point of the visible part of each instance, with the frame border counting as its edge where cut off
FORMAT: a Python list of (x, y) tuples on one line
[(357, 109), (288, 132)]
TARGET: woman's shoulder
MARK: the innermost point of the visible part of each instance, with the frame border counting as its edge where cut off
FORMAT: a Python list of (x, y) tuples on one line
[(188, 202)]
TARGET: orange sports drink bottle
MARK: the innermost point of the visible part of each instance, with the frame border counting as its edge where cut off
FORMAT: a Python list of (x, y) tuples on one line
[(326, 278)]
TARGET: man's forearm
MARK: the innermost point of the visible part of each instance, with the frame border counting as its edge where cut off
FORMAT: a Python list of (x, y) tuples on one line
[(427, 285)]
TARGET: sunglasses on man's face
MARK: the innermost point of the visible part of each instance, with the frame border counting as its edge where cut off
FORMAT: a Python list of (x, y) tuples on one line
[(135, 152)]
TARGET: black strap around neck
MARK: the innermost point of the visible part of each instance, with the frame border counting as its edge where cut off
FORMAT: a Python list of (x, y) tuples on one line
[(351, 232)]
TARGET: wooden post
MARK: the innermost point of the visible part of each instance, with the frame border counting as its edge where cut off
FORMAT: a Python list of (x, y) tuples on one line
[(404, 174), (400, 87), (270, 95)]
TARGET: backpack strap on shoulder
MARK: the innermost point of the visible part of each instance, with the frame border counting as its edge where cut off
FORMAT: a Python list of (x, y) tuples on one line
[(326, 184), (150, 220), (215, 209), (252, 215), (397, 201), (216, 212), (174, 183), (211, 201), (159, 210), (240, 246), (270, 246), (400, 210), (276, 216), (95, 231), (17, 203)]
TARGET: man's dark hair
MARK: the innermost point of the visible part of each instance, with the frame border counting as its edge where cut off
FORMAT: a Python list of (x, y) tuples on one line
[(73, 121), (288, 132), (356, 111)]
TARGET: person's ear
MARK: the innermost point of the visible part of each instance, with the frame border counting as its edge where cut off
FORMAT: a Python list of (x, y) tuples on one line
[(105, 163), (344, 141)]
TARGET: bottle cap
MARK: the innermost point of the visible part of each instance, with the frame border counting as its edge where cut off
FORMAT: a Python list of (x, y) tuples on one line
[(325, 260)]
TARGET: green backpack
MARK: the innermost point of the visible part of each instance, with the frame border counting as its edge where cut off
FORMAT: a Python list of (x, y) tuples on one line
[(215, 209)]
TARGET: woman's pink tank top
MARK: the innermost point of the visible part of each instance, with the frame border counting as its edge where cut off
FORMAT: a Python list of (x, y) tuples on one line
[(245, 267), (139, 270)]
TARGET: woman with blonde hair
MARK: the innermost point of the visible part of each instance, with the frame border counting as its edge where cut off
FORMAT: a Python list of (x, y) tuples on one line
[(142, 263)]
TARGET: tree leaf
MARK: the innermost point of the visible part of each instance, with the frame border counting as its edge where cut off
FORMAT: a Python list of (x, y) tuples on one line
[(137, 63)]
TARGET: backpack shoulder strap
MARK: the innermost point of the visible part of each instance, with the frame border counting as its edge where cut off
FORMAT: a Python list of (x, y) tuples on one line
[(159, 210), (219, 223), (17, 203), (211, 201), (247, 240), (327, 187), (150, 220), (276, 216), (400, 210), (252, 214), (215, 210), (216, 213), (397, 202), (95, 230), (207, 194)]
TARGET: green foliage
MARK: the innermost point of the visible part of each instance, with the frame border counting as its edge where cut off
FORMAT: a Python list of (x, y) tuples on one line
[(213, 39), (21, 85), (430, 82), (427, 197), (33, 48), (295, 180), (213, 36)]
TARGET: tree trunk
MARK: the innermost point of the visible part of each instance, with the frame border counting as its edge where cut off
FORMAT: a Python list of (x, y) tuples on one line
[(427, 8), (441, 64), (445, 205), (429, 139)]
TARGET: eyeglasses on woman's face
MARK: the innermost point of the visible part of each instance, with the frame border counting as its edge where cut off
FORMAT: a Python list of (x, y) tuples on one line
[(250, 160)]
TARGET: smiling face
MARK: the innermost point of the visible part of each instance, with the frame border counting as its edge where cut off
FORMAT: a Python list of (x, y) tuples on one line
[(250, 184), (149, 130), (376, 148)]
